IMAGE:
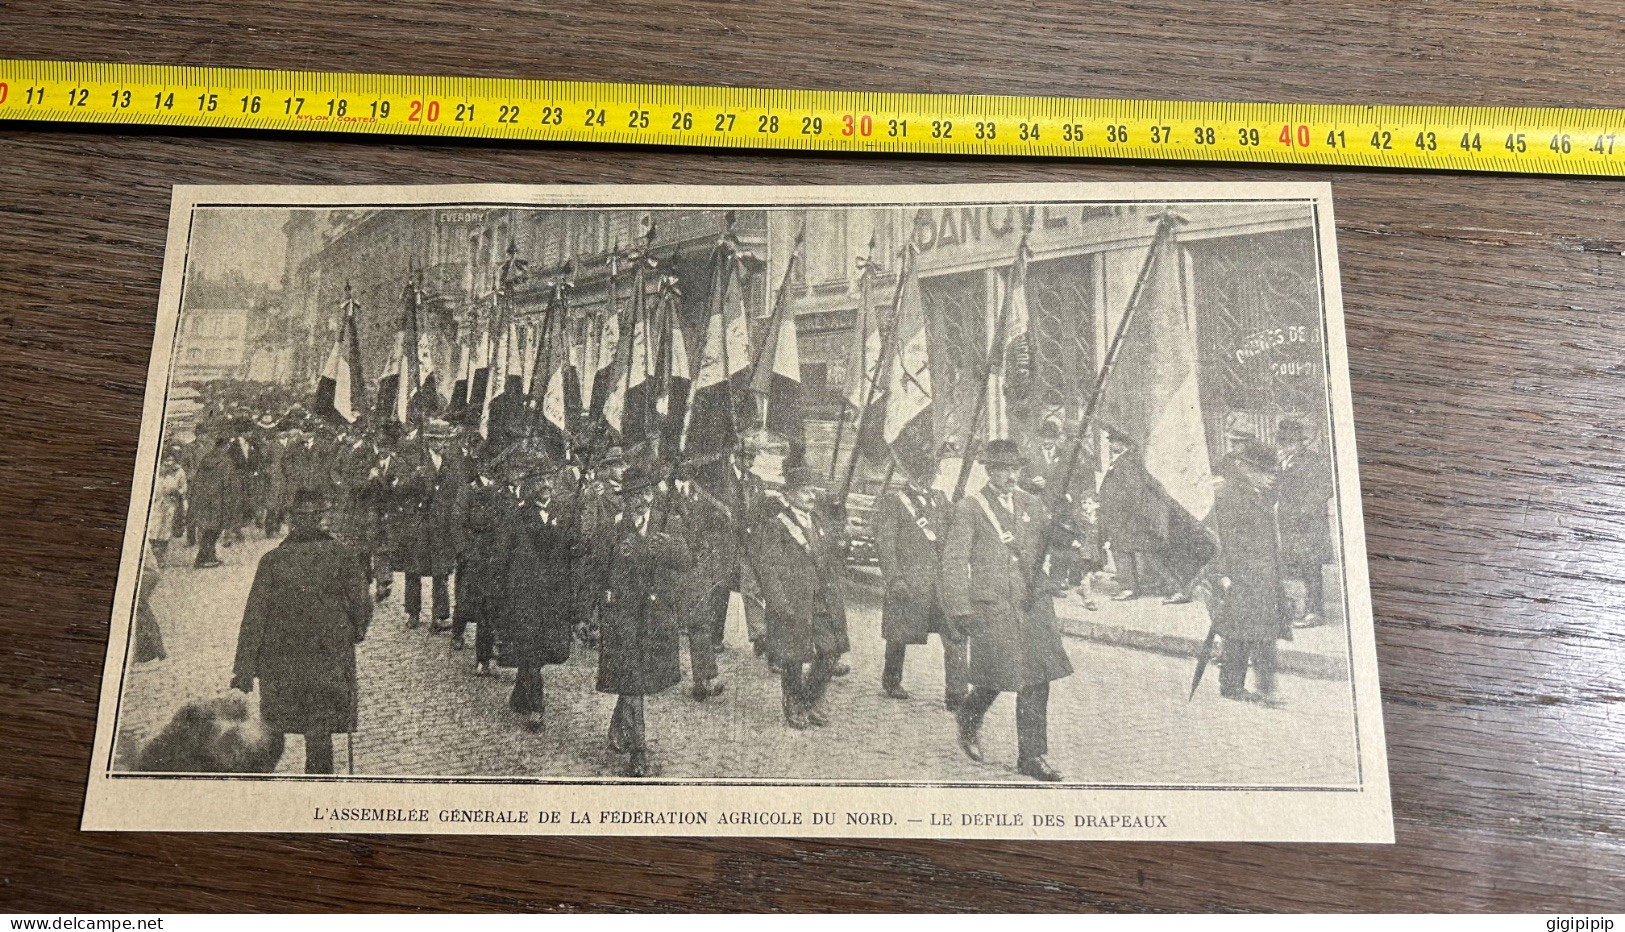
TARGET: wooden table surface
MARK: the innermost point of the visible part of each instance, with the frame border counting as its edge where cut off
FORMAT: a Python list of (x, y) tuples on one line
[(1485, 339)]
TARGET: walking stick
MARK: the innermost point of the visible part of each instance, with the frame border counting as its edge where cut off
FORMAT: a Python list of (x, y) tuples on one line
[(349, 749)]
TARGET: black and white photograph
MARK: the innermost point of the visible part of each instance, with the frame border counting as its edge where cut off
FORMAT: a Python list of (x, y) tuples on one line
[(946, 511)]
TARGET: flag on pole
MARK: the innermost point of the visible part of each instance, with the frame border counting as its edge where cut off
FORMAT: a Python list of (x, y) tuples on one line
[(908, 428), (501, 353), (555, 356), (637, 410), (677, 377), (338, 390), (863, 355), (397, 392), (1012, 360), (1152, 395), (865, 388), (607, 348), (631, 358), (479, 381), (709, 430), (736, 356), (526, 357), (775, 379), (459, 386)]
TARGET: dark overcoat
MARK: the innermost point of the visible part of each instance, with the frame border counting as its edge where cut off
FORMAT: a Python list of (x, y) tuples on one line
[(1134, 512), (1133, 507), (215, 487), (910, 531), (1254, 606), (304, 468), (712, 541), (1303, 487), (357, 496), (1014, 639), (598, 507), (429, 504), (273, 468), (538, 609), (482, 565), (307, 610), (640, 635), (800, 572)]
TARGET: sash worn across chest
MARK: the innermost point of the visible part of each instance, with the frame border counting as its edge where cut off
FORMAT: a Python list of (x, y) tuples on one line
[(920, 521), (796, 533), (1005, 537)]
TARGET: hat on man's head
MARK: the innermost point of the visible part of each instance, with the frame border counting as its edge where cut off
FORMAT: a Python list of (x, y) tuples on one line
[(438, 429), (1255, 454), (267, 421), (614, 456), (1002, 453), (308, 502), (801, 477), (639, 476)]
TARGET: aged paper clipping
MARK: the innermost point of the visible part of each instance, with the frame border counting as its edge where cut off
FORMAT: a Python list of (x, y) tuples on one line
[(959, 512)]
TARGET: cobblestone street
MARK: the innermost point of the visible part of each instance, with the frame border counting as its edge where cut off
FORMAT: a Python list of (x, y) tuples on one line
[(1122, 718)]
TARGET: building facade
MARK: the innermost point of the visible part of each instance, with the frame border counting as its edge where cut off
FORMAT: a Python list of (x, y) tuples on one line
[(477, 267), (1247, 268)]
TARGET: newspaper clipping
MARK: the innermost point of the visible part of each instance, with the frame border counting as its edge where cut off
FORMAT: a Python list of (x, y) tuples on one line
[(996, 511)]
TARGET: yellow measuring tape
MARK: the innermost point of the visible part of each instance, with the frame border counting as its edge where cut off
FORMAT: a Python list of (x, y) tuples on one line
[(1537, 140)]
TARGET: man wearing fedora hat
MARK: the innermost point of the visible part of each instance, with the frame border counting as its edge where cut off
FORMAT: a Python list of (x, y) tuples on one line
[(1250, 611), (431, 490), (799, 562), (909, 533), (306, 612), (989, 590), (1304, 490), (640, 638), (536, 608)]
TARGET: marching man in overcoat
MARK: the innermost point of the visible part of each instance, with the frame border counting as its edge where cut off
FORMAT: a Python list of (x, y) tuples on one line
[(306, 612), (713, 545), (910, 531), (540, 554), (799, 561), (998, 536), (481, 571), (640, 638), (1304, 489), (1251, 611), (431, 491), (213, 493)]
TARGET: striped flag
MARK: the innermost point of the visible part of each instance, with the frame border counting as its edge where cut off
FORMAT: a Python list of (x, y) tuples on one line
[(908, 429), (775, 380), (459, 387), (392, 388), (1152, 394), (1012, 362), (479, 381), (710, 429), (677, 379), (339, 388)]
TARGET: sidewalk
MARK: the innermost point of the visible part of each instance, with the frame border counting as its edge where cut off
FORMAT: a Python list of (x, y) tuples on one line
[(1180, 630)]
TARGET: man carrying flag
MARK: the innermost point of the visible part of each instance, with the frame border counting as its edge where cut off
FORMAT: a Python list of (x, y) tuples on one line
[(913, 521), (992, 591), (1160, 487)]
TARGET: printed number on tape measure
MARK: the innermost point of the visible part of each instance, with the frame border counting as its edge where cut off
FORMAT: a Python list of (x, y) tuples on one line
[(1514, 140)]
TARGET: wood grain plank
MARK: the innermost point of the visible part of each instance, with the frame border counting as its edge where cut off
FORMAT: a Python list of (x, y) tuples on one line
[(1484, 346)]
